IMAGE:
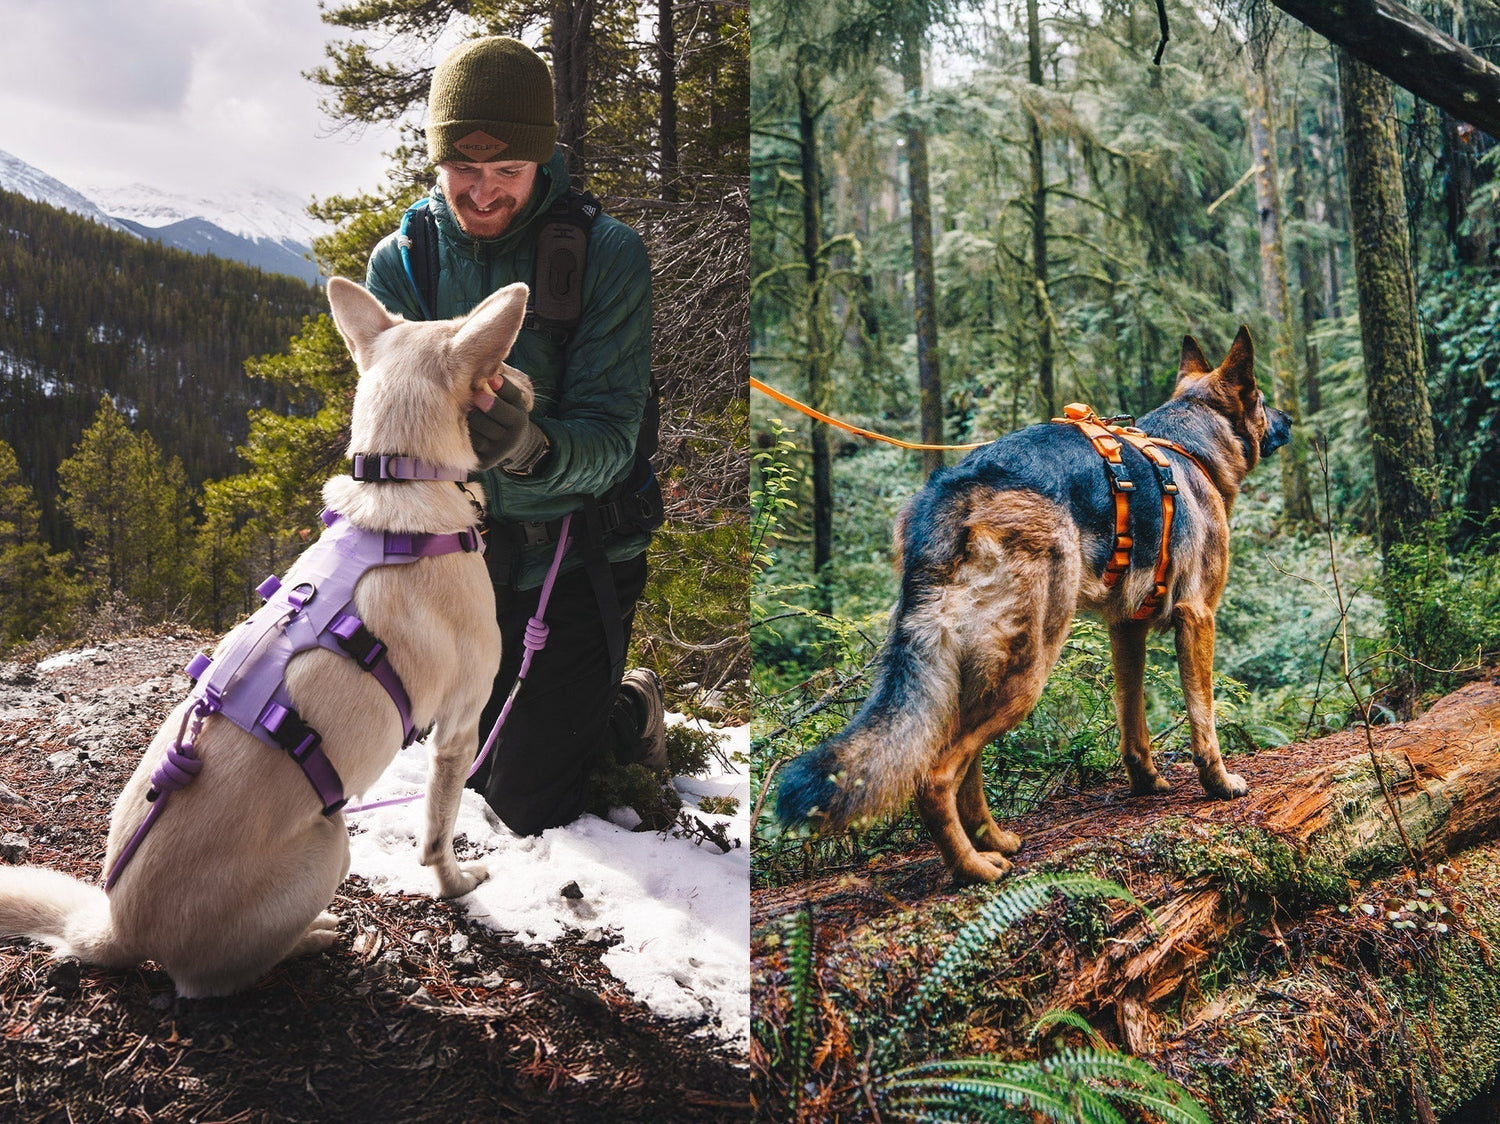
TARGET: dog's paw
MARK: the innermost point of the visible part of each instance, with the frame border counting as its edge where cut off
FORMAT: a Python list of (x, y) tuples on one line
[(1228, 786), (1153, 785), (996, 844), (981, 867), (320, 935), (466, 876)]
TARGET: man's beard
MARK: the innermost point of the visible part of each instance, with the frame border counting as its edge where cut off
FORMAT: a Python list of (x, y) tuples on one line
[(488, 224)]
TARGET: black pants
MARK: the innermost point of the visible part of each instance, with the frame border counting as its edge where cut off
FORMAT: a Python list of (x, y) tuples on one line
[(565, 715)]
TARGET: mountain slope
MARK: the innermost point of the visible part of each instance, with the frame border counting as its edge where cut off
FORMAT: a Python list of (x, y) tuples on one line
[(94, 311), (260, 226), (20, 177)]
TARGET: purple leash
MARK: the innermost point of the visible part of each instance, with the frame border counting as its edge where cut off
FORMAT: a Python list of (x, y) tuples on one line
[(177, 768), (536, 640)]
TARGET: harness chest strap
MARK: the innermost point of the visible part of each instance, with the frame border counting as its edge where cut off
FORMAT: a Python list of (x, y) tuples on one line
[(1106, 440)]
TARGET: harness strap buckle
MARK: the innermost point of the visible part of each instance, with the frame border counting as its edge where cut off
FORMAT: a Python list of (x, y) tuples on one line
[(357, 641), (1119, 476), (290, 732)]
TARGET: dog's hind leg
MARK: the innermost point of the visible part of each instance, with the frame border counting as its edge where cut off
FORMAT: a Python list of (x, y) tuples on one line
[(1006, 612), (1127, 651), (941, 809), (1195, 664), (974, 813)]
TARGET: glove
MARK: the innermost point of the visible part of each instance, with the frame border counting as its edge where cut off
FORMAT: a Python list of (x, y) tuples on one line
[(504, 435)]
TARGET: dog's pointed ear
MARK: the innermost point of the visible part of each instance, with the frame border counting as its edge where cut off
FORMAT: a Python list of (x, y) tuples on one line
[(1193, 362), (357, 314), (487, 334), (1238, 368)]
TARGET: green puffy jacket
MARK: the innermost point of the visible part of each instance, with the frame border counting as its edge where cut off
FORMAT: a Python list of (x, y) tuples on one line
[(590, 392)]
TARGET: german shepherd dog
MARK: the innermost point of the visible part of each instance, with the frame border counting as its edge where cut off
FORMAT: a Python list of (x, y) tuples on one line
[(997, 554), (238, 872)]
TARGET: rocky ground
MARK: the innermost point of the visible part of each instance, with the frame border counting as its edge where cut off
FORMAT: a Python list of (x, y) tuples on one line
[(417, 1014)]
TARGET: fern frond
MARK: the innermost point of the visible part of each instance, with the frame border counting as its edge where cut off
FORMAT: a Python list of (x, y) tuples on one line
[(977, 1084), (800, 989), (1058, 1016), (1075, 1086), (1009, 903)]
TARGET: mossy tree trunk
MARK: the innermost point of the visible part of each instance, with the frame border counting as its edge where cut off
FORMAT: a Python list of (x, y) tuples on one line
[(819, 385), (924, 281), (1296, 495), (1295, 966), (1395, 376), (1042, 305)]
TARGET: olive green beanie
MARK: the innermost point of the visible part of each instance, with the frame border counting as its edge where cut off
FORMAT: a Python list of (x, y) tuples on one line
[(491, 100)]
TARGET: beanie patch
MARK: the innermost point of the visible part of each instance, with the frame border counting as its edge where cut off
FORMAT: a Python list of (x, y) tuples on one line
[(479, 146)]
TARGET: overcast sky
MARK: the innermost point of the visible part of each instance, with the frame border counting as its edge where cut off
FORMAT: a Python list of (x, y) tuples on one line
[(190, 96)]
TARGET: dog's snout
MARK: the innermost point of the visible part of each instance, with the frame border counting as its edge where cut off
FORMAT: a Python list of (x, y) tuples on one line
[(1278, 431)]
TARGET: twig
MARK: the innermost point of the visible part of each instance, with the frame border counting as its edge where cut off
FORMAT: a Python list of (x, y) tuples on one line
[(1161, 19), (1359, 700)]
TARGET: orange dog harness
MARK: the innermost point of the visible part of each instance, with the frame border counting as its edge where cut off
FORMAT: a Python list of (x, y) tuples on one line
[(1106, 439)]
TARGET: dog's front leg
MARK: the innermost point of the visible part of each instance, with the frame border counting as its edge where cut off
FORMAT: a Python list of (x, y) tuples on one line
[(1127, 652), (445, 785), (1195, 664)]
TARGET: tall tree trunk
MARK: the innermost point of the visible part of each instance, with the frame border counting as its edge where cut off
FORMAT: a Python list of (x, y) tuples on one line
[(1307, 279), (924, 286), (1395, 381), (666, 62), (819, 388), (1296, 496), (1041, 302), (572, 51)]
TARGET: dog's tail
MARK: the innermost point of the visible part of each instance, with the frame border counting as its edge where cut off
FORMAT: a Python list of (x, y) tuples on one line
[(875, 763), (70, 916)]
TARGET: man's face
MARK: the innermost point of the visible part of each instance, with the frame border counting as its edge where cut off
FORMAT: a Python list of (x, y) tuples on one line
[(485, 198)]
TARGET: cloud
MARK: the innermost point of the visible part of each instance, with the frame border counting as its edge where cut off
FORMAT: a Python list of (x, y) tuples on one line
[(107, 59), (182, 94)]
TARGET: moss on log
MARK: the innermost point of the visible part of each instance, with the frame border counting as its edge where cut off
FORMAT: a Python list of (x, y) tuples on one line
[(1298, 967)]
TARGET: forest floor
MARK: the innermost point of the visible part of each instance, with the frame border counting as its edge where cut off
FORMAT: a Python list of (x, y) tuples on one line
[(417, 1014)]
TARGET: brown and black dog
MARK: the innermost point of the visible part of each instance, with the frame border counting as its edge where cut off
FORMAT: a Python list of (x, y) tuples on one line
[(998, 553)]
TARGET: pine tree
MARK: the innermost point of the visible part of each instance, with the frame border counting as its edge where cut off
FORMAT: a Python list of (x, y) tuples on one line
[(132, 506), (35, 590)]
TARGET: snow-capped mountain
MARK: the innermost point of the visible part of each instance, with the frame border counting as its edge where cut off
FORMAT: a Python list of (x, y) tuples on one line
[(18, 176), (257, 213), (260, 226)]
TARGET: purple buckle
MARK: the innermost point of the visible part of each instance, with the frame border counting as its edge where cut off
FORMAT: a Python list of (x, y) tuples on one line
[(291, 733), (469, 539), (197, 666)]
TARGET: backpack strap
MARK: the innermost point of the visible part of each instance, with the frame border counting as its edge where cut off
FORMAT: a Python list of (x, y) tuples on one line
[(418, 240), (562, 254)]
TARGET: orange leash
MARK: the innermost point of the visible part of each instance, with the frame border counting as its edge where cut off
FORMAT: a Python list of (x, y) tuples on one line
[(816, 415), (1106, 440)]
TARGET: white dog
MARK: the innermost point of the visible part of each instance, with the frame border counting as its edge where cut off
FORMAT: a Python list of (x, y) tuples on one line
[(236, 873)]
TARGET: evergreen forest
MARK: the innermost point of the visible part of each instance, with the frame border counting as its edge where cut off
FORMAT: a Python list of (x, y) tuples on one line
[(967, 215), (91, 312)]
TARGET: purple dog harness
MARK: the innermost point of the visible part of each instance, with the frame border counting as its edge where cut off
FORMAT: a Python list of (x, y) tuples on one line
[(245, 682)]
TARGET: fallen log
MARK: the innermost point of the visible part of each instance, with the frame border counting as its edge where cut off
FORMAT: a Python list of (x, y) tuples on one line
[(1293, 884)]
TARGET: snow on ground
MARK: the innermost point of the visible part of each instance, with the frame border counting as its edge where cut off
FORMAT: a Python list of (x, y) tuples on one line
[(681, 909), (66, 659)]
